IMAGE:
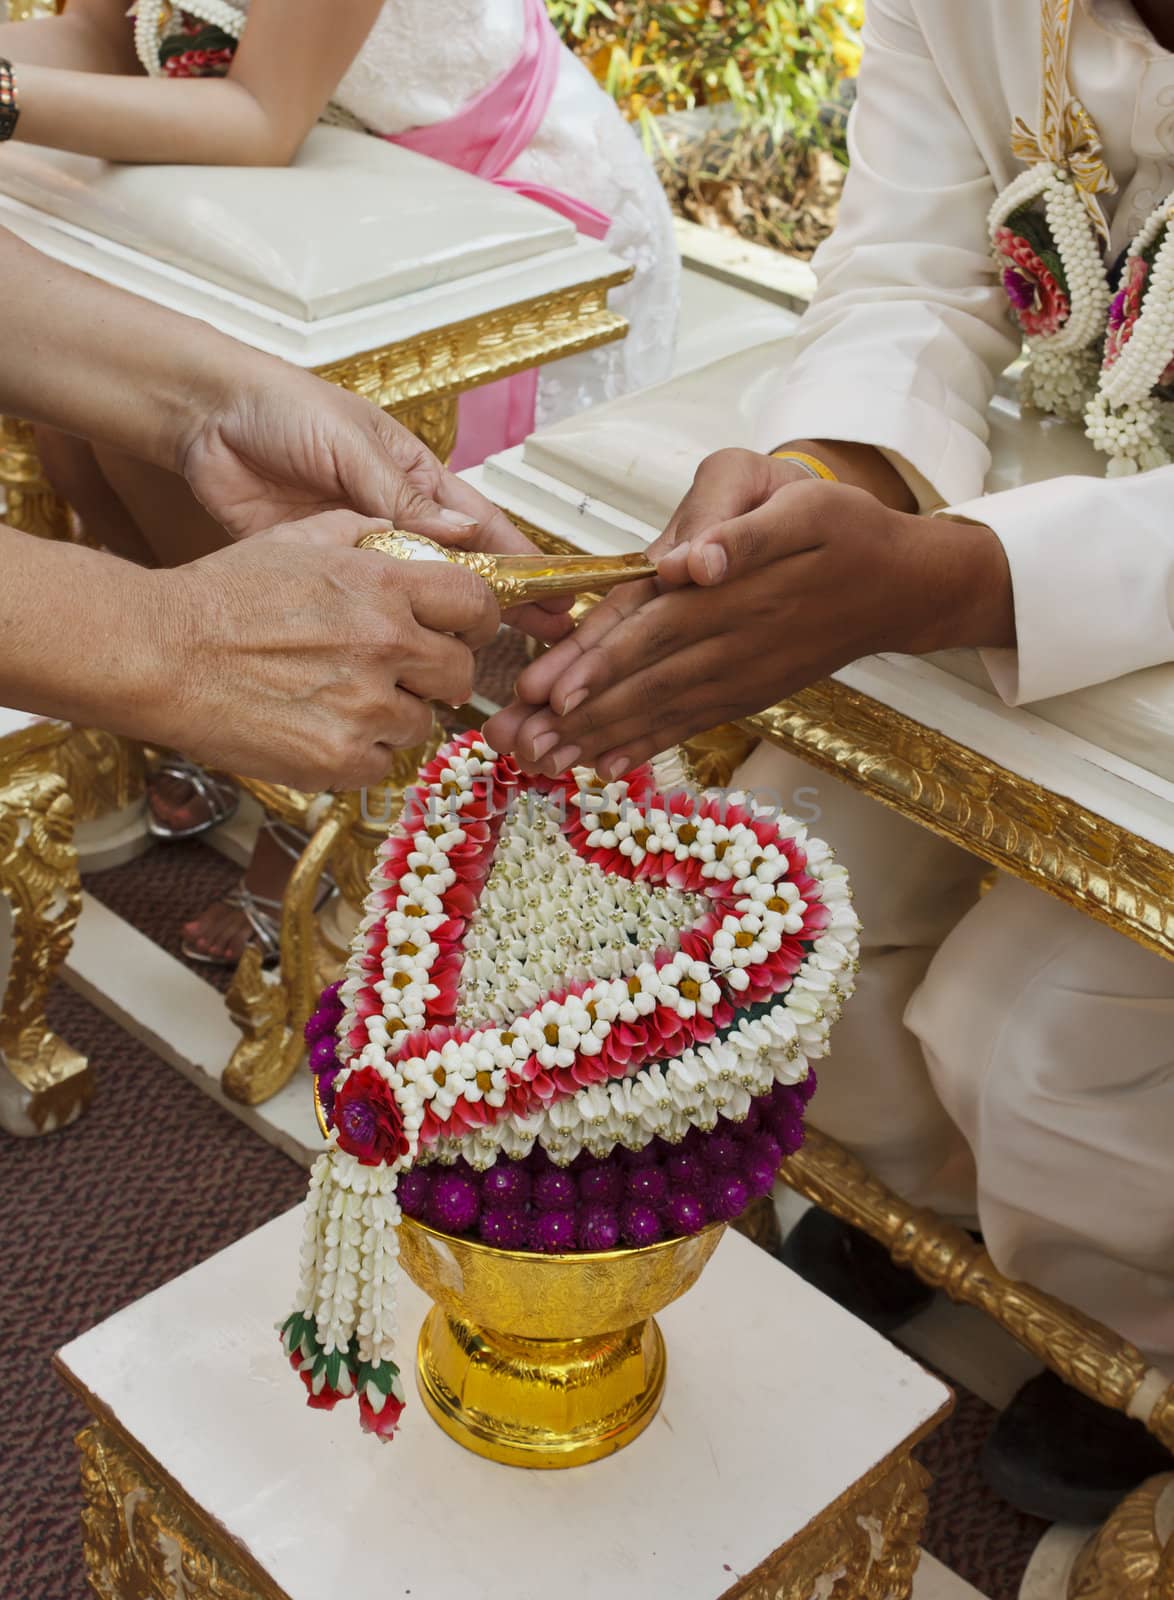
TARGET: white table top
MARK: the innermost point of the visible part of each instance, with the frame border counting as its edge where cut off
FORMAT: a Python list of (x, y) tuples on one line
[(356, 246), (777, 1402)]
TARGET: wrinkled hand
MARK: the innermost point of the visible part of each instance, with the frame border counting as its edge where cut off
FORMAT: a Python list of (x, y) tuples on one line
[(294, 657), (278, 451), (748, 611)]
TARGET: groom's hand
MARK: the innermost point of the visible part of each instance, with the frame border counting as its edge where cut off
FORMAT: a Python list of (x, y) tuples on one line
[(755, 608), (727, 484)]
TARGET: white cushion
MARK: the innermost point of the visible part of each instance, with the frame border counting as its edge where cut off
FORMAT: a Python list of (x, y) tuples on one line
[(354, 221), (638, 455)]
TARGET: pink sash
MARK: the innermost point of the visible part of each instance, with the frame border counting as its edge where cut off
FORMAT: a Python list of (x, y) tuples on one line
[(485, 137)]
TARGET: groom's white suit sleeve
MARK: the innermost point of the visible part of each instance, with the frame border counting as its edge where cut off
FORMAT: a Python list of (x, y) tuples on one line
[(901, 349)]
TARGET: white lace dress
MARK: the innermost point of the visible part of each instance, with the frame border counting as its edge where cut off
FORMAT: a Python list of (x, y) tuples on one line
[(425, 59)]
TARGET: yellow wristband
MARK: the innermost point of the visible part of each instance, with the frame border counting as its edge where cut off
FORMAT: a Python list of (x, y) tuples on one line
[(813, 468)]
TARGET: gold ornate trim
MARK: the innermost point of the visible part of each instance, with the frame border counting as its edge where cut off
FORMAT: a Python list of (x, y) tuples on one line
[(32, 506), (1131, 1558), (39, 879), (446, 361), (863, 1547), (434, 423), (143, 1537), (1084, 1353), (1016, 825), (102, 771)]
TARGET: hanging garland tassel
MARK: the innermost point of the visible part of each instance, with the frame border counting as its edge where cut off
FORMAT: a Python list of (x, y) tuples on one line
[(340, 1339)]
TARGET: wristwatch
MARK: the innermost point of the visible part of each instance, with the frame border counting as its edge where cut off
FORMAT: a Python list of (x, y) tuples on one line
[(9, 101)]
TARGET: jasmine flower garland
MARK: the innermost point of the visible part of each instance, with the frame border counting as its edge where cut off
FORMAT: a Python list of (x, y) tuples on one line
[(550, 975)]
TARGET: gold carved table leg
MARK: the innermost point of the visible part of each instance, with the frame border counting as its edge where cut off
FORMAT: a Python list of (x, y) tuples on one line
[(433, 421), (143, 1540), (272, 1009), (140, 1541), (44, 1083), (32, 505), (1089, 1356)]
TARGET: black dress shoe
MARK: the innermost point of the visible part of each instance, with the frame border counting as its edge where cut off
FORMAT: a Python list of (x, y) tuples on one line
[(854, 1271), (1056, 1454)]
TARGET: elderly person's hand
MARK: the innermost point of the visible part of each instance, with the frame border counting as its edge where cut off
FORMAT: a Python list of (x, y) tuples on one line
[(290, 656), (748, 611), (281, 445)]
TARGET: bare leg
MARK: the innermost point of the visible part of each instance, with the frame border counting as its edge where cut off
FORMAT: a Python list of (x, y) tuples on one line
[(72, 468), (167, 515), (221, 932)]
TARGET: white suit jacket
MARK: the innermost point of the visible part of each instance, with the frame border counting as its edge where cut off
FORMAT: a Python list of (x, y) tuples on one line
[(910, 329)]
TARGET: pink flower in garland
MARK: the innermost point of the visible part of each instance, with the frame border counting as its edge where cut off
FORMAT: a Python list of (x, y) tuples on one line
[(1040, 304), (1125, 308)]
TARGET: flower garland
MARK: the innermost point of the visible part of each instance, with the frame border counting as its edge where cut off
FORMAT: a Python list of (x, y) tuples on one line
[(713, 945), (1099, 351), (170, 41), (1050, 264)]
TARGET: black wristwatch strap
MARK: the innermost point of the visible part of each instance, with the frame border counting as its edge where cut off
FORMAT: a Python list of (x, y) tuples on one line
[(9, 104)]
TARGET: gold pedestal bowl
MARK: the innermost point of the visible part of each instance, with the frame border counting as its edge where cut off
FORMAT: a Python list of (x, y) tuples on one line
[(545, 1361)]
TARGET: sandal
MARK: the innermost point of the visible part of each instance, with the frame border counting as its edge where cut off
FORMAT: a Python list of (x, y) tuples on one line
[(218, 794), (262, 913)]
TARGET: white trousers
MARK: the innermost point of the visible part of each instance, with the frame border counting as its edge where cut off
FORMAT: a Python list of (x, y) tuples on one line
[(1004, 1059)]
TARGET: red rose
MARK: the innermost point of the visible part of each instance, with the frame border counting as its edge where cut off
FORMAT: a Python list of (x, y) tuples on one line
[(368, 1119), (381, 1423)]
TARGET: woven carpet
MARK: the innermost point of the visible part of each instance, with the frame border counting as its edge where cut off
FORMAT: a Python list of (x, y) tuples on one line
[(88, 1230)]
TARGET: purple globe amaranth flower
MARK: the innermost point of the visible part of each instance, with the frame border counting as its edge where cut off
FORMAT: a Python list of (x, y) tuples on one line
[(686, 1169), (687, 1212), (357, 1122), (553, 1232), (647, 1156), (602, 1185), (322, 1054), (728, 1197), (506, 1229), (318, 1025), (807, 1087), (554, 1190), (641, 1224), (414, 1190), (721, 1150), (599, 1228), (759, 1176), (507, 1184), (455, 1202), (765, 1147), (1020, 290), (648, 1184), (326, 1092), (330, 996), (787, 1127), (751, 1122)]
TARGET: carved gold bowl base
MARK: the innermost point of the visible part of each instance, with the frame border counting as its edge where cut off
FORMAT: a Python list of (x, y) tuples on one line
[(545, 1361)]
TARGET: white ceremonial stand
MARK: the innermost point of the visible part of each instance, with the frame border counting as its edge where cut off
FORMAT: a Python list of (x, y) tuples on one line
[(778, 1466)]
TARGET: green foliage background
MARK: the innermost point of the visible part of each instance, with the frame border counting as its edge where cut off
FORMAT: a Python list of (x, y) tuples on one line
[(779, 61)]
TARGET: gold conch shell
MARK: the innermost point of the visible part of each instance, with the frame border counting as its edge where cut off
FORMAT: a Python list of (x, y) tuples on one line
[(517, 580)]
